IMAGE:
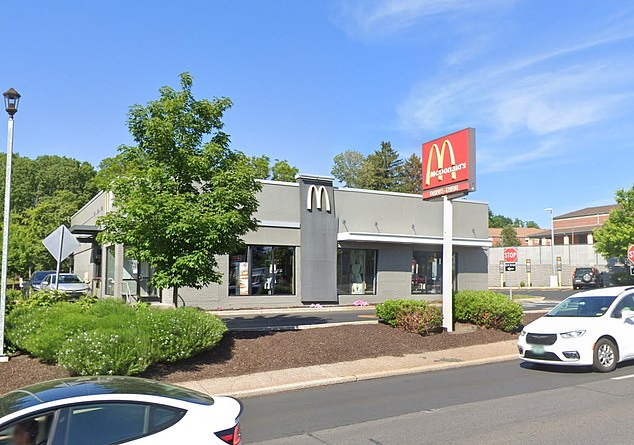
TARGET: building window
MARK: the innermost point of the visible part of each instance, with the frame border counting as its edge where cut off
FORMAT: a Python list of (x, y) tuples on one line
[(427, 273), (356, 271), (262, 270), (136, 277), (109, 270)]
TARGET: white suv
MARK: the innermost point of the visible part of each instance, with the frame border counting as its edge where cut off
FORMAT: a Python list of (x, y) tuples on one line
[(592, 328)]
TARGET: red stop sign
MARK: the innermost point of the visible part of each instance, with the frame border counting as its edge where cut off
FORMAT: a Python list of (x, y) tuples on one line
[(630, 254), (510, 255)]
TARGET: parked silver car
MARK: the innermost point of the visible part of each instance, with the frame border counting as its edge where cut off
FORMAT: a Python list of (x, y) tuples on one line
[(69, 283)]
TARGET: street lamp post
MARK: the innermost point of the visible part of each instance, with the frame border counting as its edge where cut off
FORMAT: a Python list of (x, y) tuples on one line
[(552, 239), (11, 100)]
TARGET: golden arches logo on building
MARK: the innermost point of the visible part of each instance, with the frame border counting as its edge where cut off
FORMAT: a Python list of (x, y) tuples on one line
[(319, 193), (440, 162)]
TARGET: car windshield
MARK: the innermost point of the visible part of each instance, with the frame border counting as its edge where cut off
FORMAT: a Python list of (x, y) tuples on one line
[(66, 278), (39, 276), (69, 279), (589, 306)]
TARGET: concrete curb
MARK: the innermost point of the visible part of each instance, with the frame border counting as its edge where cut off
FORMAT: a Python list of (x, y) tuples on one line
[(290, 310), (273, 382), (303, 327)]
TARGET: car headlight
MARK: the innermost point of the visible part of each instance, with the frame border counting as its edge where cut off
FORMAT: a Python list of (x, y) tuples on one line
[(572, 334)]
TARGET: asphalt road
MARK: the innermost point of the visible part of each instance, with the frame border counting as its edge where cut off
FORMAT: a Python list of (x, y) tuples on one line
[(500, 403), (547, 294)]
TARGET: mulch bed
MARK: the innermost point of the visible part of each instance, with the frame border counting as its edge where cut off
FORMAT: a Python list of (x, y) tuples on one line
[(241, 353)]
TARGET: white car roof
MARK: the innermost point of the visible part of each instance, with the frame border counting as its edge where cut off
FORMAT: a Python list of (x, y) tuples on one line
[(604, 291), (99, 388)]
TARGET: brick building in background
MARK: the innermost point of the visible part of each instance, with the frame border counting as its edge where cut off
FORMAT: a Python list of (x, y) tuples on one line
[(524, 234), (575, 228)]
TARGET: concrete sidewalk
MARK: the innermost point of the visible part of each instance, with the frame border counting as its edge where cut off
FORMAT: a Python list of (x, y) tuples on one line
[(320, 375)]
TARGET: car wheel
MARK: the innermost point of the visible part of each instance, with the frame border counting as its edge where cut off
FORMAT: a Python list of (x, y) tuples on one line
[(587, 278), (606, 356)]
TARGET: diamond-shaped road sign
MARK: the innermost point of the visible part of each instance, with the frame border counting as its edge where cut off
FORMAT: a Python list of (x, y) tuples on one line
[(61, 243)]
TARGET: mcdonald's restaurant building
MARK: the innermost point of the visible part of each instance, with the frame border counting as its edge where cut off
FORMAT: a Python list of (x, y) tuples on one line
[(315, 244)]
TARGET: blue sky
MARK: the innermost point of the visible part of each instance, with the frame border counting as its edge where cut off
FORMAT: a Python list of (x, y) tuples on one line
[(549, 86)]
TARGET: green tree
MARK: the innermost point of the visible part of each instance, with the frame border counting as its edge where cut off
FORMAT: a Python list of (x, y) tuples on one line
[(262, 166), (530, 224), (183, 199), (412, 181), (498, 221), (35, 224), (45, 192), (282, 171), (35, 179), (348, 168), (119, 165), (55, 173), (617, 233), (23, 182), (383, 169), (509, 237)]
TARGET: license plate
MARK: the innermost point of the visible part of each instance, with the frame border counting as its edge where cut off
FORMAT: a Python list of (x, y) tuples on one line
[(538, 349)]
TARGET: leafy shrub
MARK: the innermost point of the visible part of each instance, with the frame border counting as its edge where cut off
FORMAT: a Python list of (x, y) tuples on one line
[(389, 310), (420, 321), (488, 309), (14, 298), (111, 337), (522, 284)]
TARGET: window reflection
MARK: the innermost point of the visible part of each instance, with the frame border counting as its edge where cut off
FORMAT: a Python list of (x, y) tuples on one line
[(427, 273), (356, 271), (263, 270)]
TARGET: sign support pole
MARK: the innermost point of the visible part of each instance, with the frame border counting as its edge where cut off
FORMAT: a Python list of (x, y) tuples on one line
[(447, 265), (59, 256)]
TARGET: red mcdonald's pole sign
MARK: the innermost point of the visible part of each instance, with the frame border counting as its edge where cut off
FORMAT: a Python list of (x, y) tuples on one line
[(449, 165)]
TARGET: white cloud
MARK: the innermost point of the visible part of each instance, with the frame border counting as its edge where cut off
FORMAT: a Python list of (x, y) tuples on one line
[(512, 156), (394, 15), (526, 103), (468, 52), (554, 101), (508, 100)]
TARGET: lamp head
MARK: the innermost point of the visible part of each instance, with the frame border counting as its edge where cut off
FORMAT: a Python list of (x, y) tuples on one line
[(11, 101)]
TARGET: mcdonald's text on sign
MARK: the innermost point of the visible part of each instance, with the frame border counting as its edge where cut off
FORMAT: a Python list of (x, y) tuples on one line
[(630, 254), (449, 165), (510, 255)]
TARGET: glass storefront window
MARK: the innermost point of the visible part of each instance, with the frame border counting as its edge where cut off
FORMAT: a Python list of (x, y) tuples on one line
[(136, 274), (238, 274), (109, 270), (356, 271), (427, 273), (263, 270)]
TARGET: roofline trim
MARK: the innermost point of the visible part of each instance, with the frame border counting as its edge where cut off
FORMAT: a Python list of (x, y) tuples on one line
[(394, 238), (94, 198)]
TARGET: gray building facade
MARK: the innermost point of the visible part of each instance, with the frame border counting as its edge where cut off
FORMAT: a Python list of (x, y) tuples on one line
[(315, 244)]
